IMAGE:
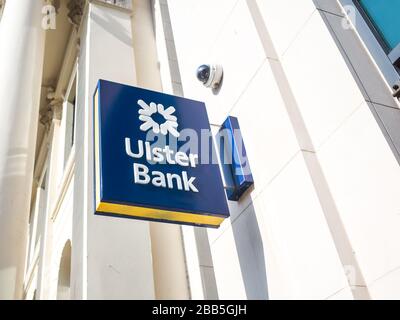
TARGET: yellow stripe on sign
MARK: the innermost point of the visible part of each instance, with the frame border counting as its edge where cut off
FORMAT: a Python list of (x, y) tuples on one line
[(158, 214)]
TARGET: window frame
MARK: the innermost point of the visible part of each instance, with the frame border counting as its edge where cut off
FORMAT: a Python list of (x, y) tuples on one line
[(373, 41), (33, 240), (393, 54), (72, 79)]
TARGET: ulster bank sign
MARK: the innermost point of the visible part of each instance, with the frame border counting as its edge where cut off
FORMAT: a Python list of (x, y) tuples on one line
[(154, 158)]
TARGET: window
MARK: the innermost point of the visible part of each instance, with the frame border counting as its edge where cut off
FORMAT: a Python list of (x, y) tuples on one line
[(69, 114), (64, 274), (383, 17), (37, 218), (372, 33)]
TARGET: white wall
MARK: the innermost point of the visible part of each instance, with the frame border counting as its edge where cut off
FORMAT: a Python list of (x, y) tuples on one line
[(324, 206)]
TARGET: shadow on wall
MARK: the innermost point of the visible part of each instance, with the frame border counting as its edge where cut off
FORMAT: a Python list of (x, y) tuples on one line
[(250, 250), (113, 27)]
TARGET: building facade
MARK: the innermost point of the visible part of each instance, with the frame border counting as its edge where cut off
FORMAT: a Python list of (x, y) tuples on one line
[(314, 85)]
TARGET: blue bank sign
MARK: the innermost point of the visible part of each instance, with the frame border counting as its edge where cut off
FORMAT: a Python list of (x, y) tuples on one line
[(147, 158)]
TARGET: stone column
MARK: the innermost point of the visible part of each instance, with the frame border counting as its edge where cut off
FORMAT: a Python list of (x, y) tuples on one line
[(166, 240), (52, 119), (111, 257), (21, 64)]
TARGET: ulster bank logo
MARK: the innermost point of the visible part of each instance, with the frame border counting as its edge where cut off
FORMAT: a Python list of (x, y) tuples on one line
[(147, 115)]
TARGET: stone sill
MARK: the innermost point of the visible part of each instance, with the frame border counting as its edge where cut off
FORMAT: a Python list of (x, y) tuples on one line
[(111, 5)]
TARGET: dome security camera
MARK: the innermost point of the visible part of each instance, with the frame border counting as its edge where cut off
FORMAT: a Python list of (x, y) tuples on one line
[(210, 75), (396, 89)]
